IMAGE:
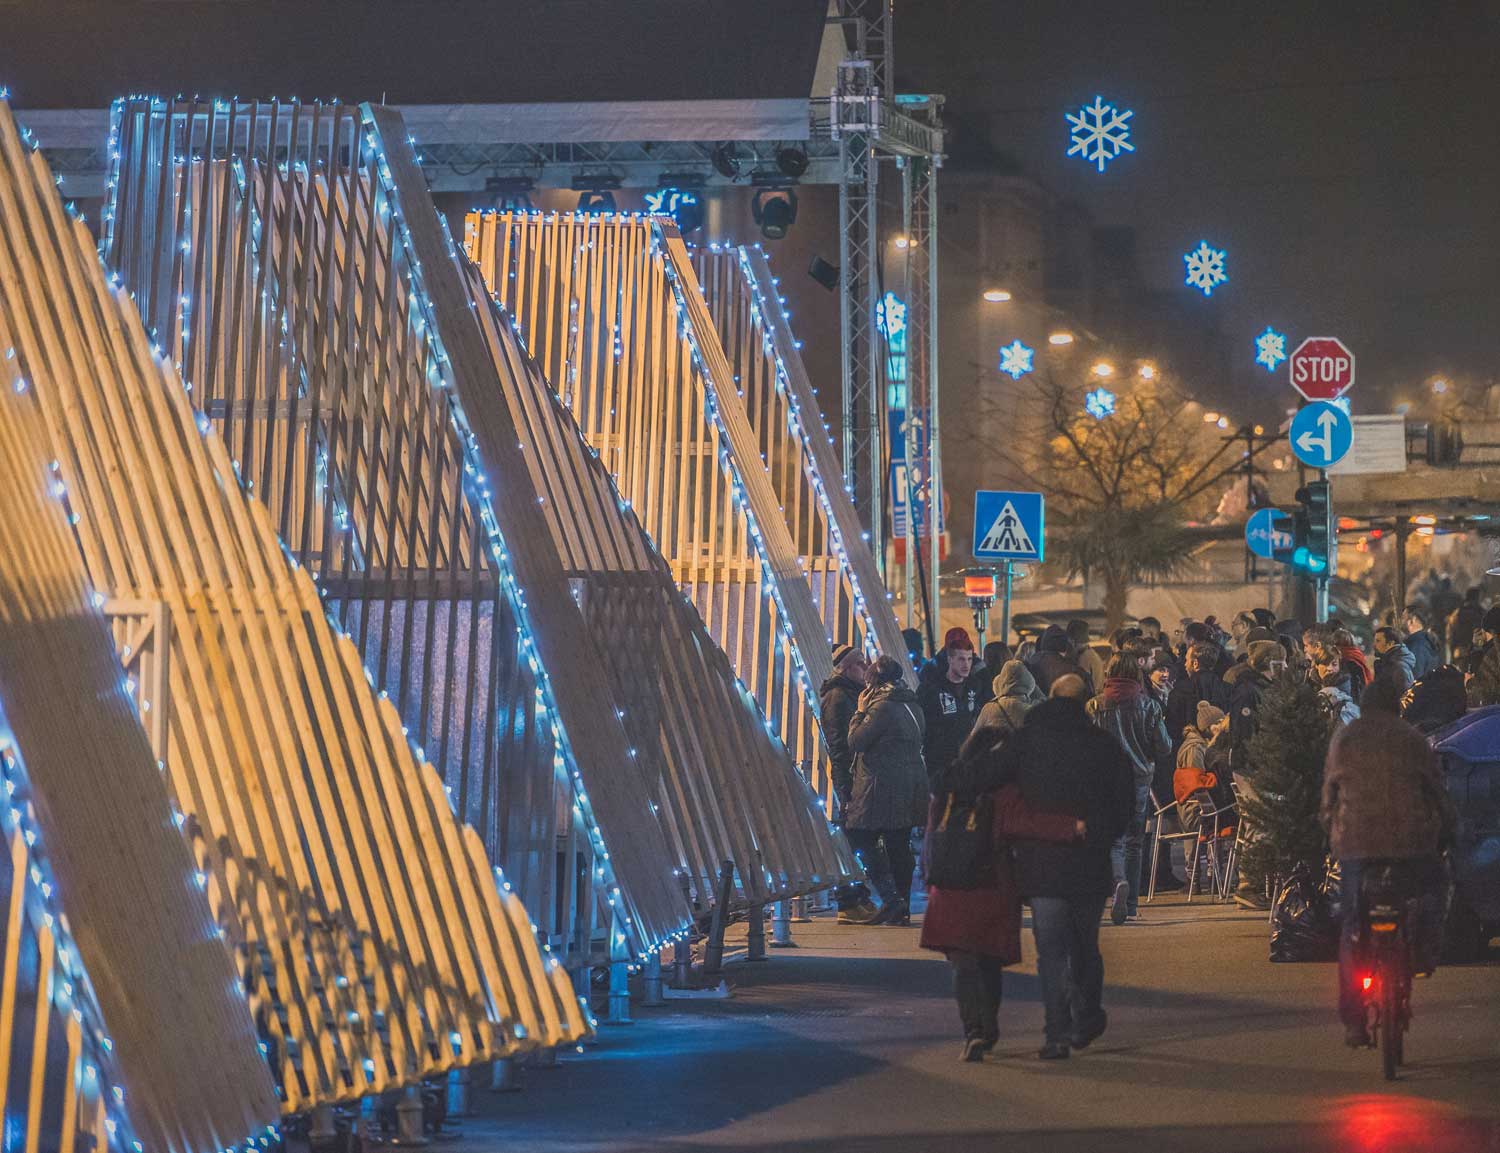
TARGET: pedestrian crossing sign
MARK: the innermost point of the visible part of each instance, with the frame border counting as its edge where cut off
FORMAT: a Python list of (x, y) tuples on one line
[(1009, 526)]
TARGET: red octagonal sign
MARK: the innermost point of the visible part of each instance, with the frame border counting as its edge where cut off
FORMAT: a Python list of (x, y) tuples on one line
[(1322, 368)]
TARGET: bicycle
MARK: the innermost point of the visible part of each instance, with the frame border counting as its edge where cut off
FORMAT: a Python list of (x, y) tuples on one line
[(1386, 987)]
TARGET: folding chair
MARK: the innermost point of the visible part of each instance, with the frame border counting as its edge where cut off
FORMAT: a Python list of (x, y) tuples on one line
[(1158, 837)]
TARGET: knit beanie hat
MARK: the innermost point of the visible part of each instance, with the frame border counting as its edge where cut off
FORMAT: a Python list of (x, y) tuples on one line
[(1208, 716), (840, 653), (957, 638)]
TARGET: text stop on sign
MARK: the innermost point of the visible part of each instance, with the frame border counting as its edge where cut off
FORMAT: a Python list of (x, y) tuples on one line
[(1322, 368)]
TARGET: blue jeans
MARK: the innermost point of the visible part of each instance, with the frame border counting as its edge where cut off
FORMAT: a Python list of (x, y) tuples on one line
[(1068, 962), (1125, 854)]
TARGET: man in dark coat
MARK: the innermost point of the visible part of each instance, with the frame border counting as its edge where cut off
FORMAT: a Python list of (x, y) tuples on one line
[(1054, 658), (1467, 619), (1394, 662), (1201, 683), (1244, 701), (950, 702), (1423, 645), (838, 698), (1064, 764)]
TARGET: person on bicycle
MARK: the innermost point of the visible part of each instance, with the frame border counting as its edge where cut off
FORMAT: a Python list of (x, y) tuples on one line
[(1384, 802)]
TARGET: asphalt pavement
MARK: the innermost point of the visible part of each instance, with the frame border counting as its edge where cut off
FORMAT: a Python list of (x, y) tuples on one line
[(850, 1042)]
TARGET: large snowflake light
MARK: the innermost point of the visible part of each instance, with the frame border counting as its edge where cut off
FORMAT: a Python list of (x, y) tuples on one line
[(1270, 348), (890, 315), (1100, 132), (1099, 403), (1205, 268), (1015, 358)]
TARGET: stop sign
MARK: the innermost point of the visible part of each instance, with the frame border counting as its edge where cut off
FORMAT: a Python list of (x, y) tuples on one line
[(1322, 368)]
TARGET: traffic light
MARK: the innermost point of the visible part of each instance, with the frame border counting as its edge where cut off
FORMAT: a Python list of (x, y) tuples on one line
[(1314, 539), (1288, 535)]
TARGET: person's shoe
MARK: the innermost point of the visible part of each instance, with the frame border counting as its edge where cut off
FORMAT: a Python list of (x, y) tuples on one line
[(1053, 1051), (898, 912), (1083, 1038), (990, 1043), (974, 1050), (1163, 885), (861, 914), (1119, 907), (1356, 1036)]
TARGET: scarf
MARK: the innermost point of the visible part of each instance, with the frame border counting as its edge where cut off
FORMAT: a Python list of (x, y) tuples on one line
[(1122, 690)]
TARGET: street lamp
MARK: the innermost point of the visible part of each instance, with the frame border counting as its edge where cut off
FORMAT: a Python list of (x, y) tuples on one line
[(1104, 369), (1148, 371), (1060, 338), (1210, 418), (903, 242), (996, 295), (1440, 385)]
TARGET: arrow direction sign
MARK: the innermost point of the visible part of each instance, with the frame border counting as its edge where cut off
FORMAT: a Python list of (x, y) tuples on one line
[(1321, 434), (1261, 536)]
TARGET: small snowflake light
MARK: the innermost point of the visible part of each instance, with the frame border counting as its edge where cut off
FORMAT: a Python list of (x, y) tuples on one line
[(1100, 132), (1015, 358), (1270, 348), (1205, 268), (890, 315), (1099, 403)]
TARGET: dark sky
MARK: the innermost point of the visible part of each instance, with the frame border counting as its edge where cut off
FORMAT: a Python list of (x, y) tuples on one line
[(1347, 156)]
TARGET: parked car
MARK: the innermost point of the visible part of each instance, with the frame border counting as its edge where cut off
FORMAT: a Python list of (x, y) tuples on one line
[(1469, 750)]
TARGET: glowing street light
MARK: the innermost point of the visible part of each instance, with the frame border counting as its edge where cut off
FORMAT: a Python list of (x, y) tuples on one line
[(1060, 338), (1104, 369), (1210, 418), (996, 295), (1439, 385), (904, 242), (1147, 371)]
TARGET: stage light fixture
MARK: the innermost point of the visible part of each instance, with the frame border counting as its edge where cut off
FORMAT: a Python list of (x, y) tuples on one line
[(824, 273), (510, 193), (791, 161), (598, 200), (727, 161), (775, 210)]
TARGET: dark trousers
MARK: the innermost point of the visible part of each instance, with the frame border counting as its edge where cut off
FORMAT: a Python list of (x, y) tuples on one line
[(1422, 879), (1125, 856), (888, 860), (976, 988), (1068, 962)]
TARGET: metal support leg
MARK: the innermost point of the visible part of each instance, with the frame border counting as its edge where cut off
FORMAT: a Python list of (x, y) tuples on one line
[(799, 911), (756, 948), (651, 981), (713, 953), (458, 1092), (583, 977), (781, 926), (504, 1077), (682, 965), (321, 1131), (409, 1117), (619, 975)]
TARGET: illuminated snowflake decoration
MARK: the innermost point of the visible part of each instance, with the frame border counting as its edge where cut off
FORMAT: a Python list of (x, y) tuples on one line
[(1205, 268), (1270, 348), (1015, 358), (890, 315), (1100, 132), (1099, 403)]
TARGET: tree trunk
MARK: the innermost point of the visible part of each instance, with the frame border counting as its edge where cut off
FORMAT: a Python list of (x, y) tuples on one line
[(1116, 590)]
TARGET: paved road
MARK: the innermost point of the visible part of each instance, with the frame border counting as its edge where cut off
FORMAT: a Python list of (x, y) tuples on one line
[(850, 1043)]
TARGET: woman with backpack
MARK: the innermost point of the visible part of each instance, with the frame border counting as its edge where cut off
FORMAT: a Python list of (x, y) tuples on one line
[(973, 905)]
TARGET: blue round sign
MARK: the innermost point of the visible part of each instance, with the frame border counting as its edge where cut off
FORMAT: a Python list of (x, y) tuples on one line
[(1321, 434), (1261, 536)]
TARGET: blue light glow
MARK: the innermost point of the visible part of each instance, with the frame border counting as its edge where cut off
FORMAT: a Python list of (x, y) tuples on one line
[(1099, 403), (1205, 268), (890, 316), (1015, 359), (1270, 348), (1100, 132)]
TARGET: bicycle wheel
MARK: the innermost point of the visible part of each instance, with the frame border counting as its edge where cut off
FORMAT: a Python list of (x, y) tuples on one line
[(1390, 1014)]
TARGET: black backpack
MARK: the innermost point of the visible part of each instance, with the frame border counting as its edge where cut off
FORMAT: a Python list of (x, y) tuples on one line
[(961, 848)]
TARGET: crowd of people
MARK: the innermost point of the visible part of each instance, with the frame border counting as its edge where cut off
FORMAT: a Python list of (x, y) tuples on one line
[(1065, 754)]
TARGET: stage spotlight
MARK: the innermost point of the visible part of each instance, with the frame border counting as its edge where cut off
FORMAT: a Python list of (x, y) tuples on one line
[(727, 161), (824, 273), (791, 161), (599, 200), (682, 204), (510, 193), (775, 210)]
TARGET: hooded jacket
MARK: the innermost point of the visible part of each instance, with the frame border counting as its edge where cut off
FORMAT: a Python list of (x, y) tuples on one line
[(1066, 765), (1398, 665), (949, 711), (1052, 660), (1424, 652), (1126, 710), (838, 698), (890, 779), (1182, 701), (1383, 794), (1003, 715)]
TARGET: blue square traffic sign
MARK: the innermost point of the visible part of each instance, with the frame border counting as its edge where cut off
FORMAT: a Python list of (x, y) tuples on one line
[(1009, 526)]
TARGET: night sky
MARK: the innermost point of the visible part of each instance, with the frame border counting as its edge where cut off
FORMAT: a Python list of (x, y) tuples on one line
[(1346, 155)]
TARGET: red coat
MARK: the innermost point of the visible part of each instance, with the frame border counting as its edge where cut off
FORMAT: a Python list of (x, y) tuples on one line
[(988, 920)]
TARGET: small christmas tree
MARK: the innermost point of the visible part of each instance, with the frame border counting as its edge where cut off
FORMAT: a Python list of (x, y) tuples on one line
[(1286, 757)]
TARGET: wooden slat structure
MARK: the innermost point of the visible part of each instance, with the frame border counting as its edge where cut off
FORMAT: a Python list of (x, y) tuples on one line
[(705, 429), (672, 800), (123, 1024), (373, 936)]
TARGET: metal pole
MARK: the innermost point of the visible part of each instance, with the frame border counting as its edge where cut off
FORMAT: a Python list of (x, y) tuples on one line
[(651, 995), (1403, 530), (619, 974), (756, 946), (934, 440), (781, 927), (1005, 607), (458, 1092), (503, 1078), (321, 1131), (409, 1118)]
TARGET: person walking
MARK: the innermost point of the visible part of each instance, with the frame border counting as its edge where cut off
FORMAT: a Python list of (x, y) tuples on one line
[(1015, 694), (1131, 715), (890, 793), (1064, 764), (950, 700), (838, 699), (1394, 662), (1423, 645), (974, 919)]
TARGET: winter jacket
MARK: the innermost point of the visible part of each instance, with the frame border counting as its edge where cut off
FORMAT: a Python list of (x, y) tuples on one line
[(1015, 694), (1462, 625), (949, 711), (1092, 665), (1424, 651), (1201, 766), (1357, 666), (1244, 704), (1182, 701), (1065, 764), (838, 697), (1398, 665), (1048, 667), (988, 919), (1383, 793), (1338, 702), (1129, 712), (890, 779), (1484, 685)]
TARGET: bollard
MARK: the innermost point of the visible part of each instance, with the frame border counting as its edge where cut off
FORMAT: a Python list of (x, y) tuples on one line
[(651, 981), (799, 911), (682, 965), (321, 1131), (503, 1076), (458, 1092), (781, 926), (756, 946), (409, 1129), (619, 975)]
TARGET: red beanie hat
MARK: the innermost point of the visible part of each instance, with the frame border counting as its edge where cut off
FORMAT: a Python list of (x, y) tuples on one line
[(958, 638)]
